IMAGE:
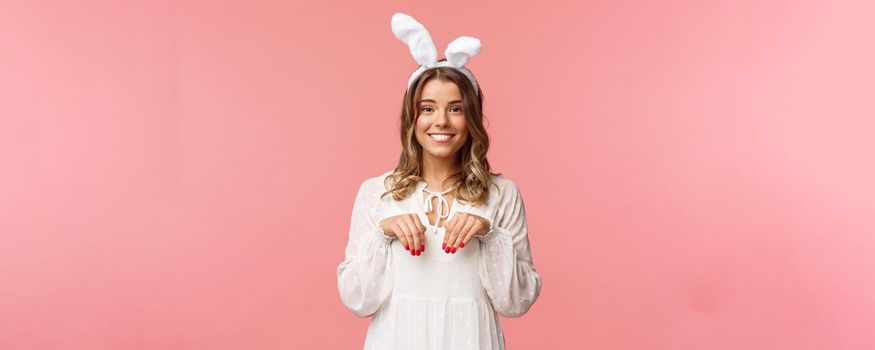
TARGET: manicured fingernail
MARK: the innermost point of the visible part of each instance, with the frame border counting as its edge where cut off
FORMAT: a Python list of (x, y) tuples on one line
[(407, 247), (462, 245), (454, 250), (444, 245)]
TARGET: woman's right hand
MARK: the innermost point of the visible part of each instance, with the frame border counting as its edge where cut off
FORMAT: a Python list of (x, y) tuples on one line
[(408, 229)]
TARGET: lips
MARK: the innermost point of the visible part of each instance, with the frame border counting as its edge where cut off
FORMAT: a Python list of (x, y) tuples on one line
[(441, 138)]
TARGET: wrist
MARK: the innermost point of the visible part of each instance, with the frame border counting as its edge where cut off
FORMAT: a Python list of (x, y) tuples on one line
[(386, 236), (488, 236)]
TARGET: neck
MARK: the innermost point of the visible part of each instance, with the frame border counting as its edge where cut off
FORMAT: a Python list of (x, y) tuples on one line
[(436, 170)]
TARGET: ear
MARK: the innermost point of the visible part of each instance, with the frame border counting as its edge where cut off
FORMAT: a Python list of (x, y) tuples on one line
[(461, 50), (415, 36)]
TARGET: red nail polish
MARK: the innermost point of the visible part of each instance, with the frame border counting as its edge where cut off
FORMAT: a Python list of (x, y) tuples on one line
[(454, 250), (444, 245), (462, 245), (418, 252), (407, 247)]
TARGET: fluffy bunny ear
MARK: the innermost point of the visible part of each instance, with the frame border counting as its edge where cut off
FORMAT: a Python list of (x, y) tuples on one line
[(415, 36), (461, 50)]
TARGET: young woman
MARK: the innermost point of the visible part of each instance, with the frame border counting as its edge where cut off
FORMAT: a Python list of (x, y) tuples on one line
[(438, 247)]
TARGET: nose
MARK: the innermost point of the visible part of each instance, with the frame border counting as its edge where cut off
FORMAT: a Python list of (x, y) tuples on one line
[(443, 118)]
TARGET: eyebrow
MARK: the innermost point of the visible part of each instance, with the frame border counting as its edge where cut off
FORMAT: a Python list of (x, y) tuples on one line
[(433, 101)]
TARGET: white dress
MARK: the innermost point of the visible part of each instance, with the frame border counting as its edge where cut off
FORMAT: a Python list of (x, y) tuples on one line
[(437, 300)]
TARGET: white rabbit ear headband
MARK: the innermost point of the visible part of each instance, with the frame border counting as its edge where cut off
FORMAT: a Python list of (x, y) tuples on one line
[(415, 36)]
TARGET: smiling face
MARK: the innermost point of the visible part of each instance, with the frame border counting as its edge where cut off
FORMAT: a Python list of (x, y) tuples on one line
[(441, 127)]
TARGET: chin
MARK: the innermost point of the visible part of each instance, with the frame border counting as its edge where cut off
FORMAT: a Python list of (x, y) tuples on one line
[(443, 154)]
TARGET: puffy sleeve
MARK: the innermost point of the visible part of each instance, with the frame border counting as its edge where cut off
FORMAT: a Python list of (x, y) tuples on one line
[(506, 269), (364, 277)]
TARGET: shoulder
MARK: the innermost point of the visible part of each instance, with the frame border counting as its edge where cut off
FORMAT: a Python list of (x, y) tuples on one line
[(503, 192), (505, 186), (374, 185)]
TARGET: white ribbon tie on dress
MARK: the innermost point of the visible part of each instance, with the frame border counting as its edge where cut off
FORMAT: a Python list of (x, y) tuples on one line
[(441, 202)]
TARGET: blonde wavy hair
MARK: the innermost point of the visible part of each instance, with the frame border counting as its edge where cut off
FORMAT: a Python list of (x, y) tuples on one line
[(471, 183)]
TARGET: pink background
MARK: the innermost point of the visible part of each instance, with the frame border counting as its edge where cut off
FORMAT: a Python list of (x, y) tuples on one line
[(697, 174)]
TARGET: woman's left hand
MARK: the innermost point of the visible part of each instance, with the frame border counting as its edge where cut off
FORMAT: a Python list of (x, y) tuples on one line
[(461, 228)]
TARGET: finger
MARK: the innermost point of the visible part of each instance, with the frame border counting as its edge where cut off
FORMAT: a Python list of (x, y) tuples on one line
[(411, 237), (419, 224), (451, 222), (466, 228), (465, 238), (398, 233), (404, 231), (448, 227), (448, 231), (415, 242), (478, 226), (454, 232), (415, 248), (422, 230), (419, 230)]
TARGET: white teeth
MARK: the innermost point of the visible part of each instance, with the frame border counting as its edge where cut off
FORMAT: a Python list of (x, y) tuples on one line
[(440, 136)]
